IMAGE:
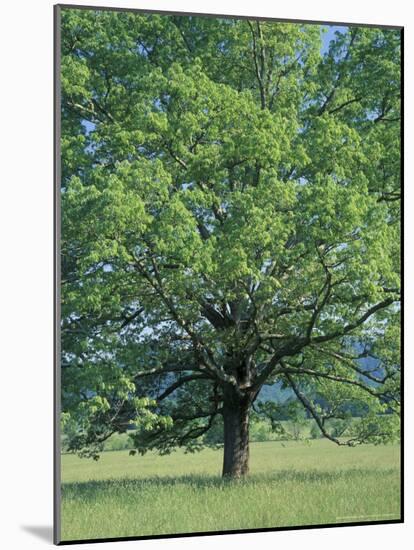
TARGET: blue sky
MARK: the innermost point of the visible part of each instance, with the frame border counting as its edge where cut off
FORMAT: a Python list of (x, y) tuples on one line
[(330, 35)]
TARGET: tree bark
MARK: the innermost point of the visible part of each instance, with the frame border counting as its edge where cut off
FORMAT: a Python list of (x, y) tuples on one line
[(236, 434)]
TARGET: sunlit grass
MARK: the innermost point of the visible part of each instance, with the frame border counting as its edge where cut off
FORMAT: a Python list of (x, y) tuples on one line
[(290, 484)]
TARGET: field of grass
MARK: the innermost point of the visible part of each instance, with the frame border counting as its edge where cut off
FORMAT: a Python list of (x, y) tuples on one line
[(291, 483)]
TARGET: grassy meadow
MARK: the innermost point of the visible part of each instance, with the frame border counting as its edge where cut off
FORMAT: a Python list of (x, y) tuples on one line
[(291, 483)]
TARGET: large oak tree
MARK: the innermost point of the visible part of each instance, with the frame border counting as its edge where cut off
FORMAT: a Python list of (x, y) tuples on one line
[(230, 219)]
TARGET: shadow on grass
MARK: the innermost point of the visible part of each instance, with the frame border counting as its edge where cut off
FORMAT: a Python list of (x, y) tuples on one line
[(205, 481)]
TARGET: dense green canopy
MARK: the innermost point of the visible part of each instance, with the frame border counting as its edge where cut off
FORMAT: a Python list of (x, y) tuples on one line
[(230, 218)]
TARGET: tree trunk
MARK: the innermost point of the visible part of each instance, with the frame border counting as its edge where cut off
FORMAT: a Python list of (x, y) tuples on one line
[(236, 434)]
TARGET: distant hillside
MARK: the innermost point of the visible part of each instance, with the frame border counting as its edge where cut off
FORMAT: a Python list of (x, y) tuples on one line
[(277, 394)]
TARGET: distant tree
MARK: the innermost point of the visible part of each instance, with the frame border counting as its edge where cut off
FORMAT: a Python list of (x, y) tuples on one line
[(230, 218)]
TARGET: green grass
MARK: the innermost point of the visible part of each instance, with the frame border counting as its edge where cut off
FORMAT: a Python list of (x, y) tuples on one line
[(291, 483)]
